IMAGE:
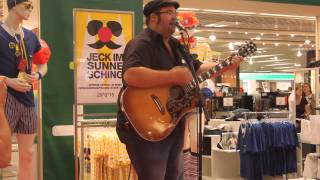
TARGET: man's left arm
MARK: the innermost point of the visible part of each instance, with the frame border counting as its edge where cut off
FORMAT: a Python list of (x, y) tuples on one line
[(235, 62)]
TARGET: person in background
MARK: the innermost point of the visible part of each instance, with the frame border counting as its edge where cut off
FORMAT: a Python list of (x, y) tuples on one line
[(257, 100), (302, 106), (18, 49), (5, 133), (301, 110), (307, 93)]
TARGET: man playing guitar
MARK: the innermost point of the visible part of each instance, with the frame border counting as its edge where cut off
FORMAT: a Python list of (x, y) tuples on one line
[(152, 60)]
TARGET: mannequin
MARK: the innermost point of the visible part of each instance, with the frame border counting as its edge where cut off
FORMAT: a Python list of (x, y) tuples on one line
[(17, 47)]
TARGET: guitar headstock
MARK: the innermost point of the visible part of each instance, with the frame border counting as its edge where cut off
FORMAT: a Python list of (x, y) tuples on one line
[(247, 49)]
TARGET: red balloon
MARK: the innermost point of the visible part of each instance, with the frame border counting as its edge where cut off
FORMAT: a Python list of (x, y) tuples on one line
[(43, 55)]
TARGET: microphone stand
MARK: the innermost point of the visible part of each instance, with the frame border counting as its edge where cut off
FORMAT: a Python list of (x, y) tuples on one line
[(200, 104)]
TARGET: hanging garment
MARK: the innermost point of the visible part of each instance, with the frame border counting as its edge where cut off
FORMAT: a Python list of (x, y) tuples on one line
[(311, 166)]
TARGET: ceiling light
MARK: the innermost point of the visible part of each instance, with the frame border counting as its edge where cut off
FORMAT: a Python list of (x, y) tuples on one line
[(232, 12), (189, 9), (312, 45), (258, 38), (276, 44), (307, 41), (212, 37), (246, 33), (265, 56), (237, 23), (286, 15), (278, 64), (299, 53), (229, 32), (268, 61), (263, 43), (277, 34), (250, 61), (261, 34), (231, 46), (289, 44), (262, 71), (292, 35), (297, 65), (215, 25), (286, 67)]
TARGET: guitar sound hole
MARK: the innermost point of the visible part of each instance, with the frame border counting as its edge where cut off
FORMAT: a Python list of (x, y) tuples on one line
[(176, 92)]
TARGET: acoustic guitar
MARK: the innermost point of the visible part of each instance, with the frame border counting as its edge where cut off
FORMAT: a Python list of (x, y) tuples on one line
[(155, 112)]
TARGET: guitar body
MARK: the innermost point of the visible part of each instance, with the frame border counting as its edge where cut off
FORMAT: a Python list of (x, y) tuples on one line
[(147, 111)]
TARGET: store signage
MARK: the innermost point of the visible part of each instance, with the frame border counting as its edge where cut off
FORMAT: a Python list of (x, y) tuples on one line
[(99, 40), (266, 76)]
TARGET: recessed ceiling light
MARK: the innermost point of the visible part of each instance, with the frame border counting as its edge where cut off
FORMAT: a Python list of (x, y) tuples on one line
[(299, 53), (232, 12), (292, 35), (261, 34), (246, 33), (277, 34), (212, 37), (258, 38), (189, 9), (215, 25), (229, 32), (276, 44), (289, 44), (250, 61), (263, 43), (307, 41)]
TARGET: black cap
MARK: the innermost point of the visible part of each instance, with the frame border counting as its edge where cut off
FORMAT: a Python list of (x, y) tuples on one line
[(12, 3), (155, 5)]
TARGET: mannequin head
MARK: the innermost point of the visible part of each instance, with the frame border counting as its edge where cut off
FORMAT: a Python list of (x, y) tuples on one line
[(21, 8)]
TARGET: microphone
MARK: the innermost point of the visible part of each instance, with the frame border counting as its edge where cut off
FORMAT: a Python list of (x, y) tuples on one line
[(179, 25)]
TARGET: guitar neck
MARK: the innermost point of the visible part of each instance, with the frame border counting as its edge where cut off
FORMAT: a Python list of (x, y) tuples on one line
[(208, 74)]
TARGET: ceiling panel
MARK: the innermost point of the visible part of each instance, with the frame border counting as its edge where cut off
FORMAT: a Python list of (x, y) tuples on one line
[(279, 39)]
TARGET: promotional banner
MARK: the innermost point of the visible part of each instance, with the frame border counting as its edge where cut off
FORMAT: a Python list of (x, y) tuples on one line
[(100, 38)]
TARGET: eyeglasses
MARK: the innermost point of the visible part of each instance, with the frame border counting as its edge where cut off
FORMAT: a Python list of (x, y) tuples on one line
[(171, 13), (28, 6)]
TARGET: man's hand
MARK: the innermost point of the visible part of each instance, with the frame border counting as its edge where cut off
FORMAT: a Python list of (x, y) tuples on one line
[(236, 60), (32, 77), (180, 75), (3, 91), (20, 85)]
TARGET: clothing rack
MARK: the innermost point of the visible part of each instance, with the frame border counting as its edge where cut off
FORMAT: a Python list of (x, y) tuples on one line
[(265, 112), (285, 177), (89, 123)]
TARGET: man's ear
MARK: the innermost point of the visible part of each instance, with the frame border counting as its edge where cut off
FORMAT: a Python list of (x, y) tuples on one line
[(153, 17)]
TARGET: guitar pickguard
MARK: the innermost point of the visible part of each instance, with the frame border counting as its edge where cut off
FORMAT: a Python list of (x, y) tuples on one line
[(178, 101)]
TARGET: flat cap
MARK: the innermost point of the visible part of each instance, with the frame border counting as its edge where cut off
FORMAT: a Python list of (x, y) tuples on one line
[(155, 5)]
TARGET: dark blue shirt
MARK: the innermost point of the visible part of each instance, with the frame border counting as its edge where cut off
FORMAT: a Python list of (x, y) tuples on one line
[(9, 61)]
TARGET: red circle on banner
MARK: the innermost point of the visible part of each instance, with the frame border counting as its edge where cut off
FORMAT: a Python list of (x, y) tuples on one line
[(104, 34)]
